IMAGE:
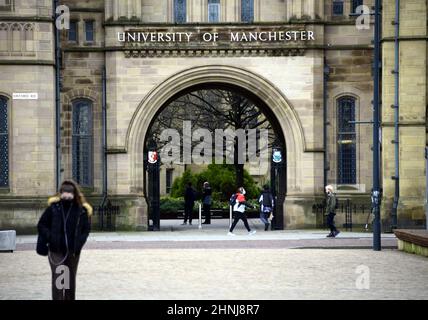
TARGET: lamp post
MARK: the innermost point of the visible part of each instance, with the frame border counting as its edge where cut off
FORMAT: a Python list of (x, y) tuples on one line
[(153, 168), (376, 194), (277, 169)]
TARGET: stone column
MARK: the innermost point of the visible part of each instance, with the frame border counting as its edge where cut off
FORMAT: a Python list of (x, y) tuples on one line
[(130, 7), (138, 9), (289, 9), (116, 9), (309, 8), (123, 8), (294, 9), (108, 9), (298, 8), (319, 9)]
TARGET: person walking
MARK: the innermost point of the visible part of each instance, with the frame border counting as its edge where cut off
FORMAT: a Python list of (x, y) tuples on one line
[(189, 203), (63, 230), (239, 204), (331, 211), (266, 206), (206, 202)]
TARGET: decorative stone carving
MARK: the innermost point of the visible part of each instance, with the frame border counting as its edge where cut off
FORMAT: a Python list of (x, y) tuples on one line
[(17, 39)]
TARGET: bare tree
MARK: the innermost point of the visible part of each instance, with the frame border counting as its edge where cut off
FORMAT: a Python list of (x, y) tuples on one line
[(214, 109)]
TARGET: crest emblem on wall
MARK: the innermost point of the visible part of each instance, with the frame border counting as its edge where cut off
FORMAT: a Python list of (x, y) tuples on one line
[(153, 157), (277, 156)]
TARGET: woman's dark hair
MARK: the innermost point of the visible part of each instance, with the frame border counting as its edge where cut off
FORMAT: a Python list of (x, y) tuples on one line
[(72, 187)]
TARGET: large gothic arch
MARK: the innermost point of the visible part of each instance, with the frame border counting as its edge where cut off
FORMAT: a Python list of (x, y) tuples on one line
[(148, 108)]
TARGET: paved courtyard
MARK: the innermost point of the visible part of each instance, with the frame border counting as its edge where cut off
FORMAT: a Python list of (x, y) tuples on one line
[(184, 262), (224, 274)]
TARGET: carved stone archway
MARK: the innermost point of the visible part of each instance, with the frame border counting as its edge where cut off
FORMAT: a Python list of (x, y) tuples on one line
[(272, 97)]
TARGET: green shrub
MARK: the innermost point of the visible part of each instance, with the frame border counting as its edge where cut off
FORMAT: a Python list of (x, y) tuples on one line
[(180, 183), (222, 180), (171, 205)]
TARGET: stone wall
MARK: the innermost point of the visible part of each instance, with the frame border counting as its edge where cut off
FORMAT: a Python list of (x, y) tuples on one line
[(153, 11), (350, 75), (412, 112), (26, 65)]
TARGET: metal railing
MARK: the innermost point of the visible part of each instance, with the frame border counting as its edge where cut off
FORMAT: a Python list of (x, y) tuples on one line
[(346, 207), (107, 216)]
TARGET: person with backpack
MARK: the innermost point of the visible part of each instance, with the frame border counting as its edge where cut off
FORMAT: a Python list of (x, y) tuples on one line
[(331, 207), (266, 206), (239, 203)]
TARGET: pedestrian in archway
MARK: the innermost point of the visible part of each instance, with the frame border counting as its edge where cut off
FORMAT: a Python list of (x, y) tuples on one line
[(239, 204), (63, 229), (206, 202), (266, 206), (189, 203), (331, 211)]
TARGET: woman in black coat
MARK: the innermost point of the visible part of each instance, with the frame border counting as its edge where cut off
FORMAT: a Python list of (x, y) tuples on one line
[(63, 230)]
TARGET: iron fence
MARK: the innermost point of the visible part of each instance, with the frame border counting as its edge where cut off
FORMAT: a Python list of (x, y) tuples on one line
[(346, 207), (107, 216)]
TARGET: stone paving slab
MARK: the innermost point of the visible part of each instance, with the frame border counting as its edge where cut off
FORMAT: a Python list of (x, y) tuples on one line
[(343, 243), (217, 231), (215, 236), (224, 274)]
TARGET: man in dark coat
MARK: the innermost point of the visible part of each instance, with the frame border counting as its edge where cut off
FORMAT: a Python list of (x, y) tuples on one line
[(206, 202), (331, 211), (189, 203), (63, 230), (266, 206)]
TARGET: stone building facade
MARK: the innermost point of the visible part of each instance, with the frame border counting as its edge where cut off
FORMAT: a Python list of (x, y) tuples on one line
[(312, 87)]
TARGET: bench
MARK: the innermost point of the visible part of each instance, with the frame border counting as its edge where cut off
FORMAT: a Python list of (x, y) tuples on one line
[(7, 241), (413, 241)]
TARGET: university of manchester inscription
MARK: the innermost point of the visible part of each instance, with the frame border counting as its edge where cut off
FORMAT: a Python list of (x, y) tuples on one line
[(275, 40)]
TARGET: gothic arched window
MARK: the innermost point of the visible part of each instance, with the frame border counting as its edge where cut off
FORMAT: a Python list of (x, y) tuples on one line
[(180, 15), (247, 11), (82, 142), (16, 33), (29, 37), (346, 139), (4, 37), (4, 142)]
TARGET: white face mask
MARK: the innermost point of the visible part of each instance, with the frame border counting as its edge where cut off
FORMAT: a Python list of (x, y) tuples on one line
[(67, 196), (243, 191)]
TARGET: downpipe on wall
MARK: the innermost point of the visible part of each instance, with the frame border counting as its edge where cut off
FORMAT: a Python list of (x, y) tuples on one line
[(57, 96), (104, 134), (325, 118), (376, 193), (396, 108)]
